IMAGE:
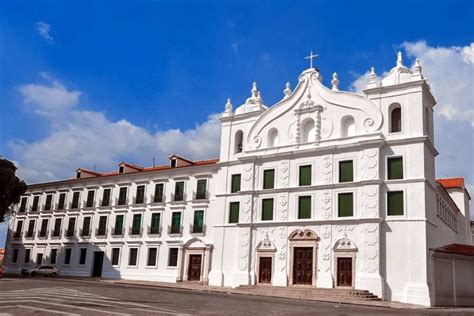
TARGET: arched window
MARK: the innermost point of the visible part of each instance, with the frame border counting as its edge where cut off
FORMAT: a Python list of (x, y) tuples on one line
[(395, 118), (238, 140), (348, 126), (272, 138), (307, 131)]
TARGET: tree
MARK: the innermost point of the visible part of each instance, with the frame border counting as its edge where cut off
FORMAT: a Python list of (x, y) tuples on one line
[(11, 188)]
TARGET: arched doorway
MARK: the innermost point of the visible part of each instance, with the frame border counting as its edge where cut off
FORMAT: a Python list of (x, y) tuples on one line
[(197, 257), (344, 263), (303, 254)]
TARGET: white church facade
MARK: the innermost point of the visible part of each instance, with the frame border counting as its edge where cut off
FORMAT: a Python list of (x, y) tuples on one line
[(326, 189)]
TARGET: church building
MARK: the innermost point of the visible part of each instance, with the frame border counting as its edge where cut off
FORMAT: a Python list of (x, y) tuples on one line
[(324, 189)]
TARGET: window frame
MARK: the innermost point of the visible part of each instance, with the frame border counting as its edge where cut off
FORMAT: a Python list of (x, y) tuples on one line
[(73, 202), (143, 196), (354, 204), (155, 265), (387, 167), (162, 198), (168, 263), (130, 257), (339, 169), (230, 212), (112, 256), (402, 204), (264, 199), (239, 175), (299, 197), (80, 256), (66, 251), (264, 184), (303, 165)]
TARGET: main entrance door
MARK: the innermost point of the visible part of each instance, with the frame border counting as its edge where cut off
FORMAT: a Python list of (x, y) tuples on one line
[(98, 262), (303, 265), (344, 271), (194, 269), (265, 267)]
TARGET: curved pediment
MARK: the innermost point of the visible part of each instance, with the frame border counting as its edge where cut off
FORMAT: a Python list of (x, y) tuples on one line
[(311, 100)]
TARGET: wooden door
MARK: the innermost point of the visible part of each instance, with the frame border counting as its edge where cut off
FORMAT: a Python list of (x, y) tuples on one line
[(344, 271), (98, 262), (194, 268), (265, 267), (303, 265)]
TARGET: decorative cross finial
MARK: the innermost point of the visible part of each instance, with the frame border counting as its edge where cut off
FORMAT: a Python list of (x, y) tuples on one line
[(311, 57)]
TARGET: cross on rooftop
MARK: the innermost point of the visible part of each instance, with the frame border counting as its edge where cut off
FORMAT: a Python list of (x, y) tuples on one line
[(311, 57)]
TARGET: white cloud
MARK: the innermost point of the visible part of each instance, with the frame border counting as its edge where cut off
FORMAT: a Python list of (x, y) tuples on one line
[(44, 30), (88, 139), (48, 99)]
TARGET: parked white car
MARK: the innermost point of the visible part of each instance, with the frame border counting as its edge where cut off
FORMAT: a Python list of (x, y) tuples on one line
[(43, 270)]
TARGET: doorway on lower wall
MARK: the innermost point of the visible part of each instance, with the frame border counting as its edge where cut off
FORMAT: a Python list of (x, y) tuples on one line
[(98, 263), (265, 270), (194, 267)]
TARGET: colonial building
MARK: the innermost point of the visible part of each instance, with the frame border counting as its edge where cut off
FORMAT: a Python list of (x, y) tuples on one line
[(324, 189)]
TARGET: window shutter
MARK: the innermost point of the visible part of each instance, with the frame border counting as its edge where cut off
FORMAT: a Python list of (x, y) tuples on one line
[(269, 179), (176, 222), (106, 197), (173, 257), (234, 212), (267, 209), (137, 222), (152, 257), (201, 189), (305, 175), (158, 193), (395, 203), (132, 260), (346, 171), (119, 223), (198, 220), (345, 204), (155, 220), (115, 256), (122, 196), (235, 183), (395, 168), (90, 198), (62, 200), (304, 207), (140, 194)]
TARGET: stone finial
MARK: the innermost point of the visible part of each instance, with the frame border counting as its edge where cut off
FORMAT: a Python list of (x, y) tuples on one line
[(254, 90), (417, 67), (228, 106), (259, 98), (372, 82), (335, 82), (399, 59), (287, 90)]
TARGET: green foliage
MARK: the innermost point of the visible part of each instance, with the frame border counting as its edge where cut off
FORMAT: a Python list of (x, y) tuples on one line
[(11, 188)]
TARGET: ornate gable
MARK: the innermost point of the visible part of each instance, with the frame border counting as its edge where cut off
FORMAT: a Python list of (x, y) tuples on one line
[(313, 113)]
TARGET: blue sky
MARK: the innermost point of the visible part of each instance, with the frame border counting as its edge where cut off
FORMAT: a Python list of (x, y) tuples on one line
[(91, 83)]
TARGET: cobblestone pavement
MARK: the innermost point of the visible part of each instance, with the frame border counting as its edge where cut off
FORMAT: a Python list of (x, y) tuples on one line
[(44, 296)]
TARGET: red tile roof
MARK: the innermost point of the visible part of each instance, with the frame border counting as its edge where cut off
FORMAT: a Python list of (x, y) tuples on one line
[(449, 183), (459, 249)]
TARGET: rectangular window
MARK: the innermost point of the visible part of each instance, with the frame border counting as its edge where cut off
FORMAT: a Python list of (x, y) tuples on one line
[(176, 223), (27, 255), (67, 256), (86, 226), (140, 198), (39, 258), (234, 212), (155, 223), (44, 228), (267, 209), (15, 255), (304, 207), (152, 252), (57, 227), (305, 175), (122, 196), (71, 227), (75, 200), (118, 229), (83, 256), (395, 203), (235, 187), (133, 256), (102, 230), (53, 255), (31, 228), (62, 201), (198, 222), (179, 191), (173, 257), (90, 198), (115, 256), (49, 200), (346, 171), (106, 197), (19, 228), (395, 168), (345, 204), (269, 179), (159, 189), (23, 204), (137, 224), (201, 191), (34, 207)]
